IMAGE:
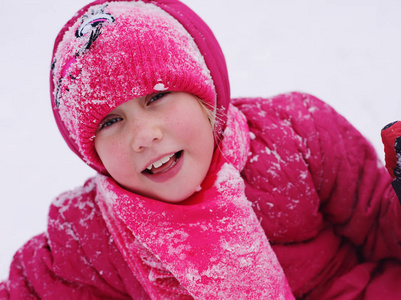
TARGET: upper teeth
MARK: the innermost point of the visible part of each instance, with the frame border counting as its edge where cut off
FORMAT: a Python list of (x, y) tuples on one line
[(160, 162)]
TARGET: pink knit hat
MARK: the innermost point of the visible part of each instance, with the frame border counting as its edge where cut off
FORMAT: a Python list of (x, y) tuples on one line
[(114, 52)]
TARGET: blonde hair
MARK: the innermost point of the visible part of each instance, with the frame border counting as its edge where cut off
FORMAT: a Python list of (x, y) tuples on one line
[(211, 114)]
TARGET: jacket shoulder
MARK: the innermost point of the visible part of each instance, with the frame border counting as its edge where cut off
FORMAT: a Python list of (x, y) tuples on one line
[(74, 205), (82, 247), (287, 102), (75, 258)]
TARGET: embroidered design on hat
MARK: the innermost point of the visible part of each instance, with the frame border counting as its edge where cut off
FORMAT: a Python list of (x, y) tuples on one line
[(91, 26), (93, 21), (90, 29)]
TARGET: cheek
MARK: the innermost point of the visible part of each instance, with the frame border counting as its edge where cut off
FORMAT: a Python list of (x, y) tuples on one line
[(192, 123), (197, 133), (106, 149)]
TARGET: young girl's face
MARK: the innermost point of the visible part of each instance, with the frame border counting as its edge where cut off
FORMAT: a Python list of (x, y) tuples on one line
[(159, 146)]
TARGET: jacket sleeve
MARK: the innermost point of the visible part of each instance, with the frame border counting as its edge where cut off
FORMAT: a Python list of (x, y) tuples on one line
[(353, 185), (343, 179), (75, 259)]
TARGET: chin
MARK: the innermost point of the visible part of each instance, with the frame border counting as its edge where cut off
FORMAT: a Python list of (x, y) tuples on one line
[(175, 198)]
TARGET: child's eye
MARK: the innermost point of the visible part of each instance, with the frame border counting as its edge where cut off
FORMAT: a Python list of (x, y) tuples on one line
[(108, 122), (156, 97)]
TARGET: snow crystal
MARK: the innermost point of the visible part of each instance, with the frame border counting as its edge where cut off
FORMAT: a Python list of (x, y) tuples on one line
[(261, 112), (245, 262), (307, 154), (255, 158), (293, 204), (269, 204), (312, 109), (160, 87), (303, 175), (179, 251), (227, 175), (193, 275), (276, 165), (252, 135), (273, 173), (274, 152), (216, 271), (83, 221), (176, 243), (99, 102), (224, 220)]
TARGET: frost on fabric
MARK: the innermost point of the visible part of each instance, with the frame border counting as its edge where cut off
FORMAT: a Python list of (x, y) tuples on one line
[(175, 241), (227, 179), (147, 257), (75, 200), (104, 187), (236, 138), (313, 109), (254, 159), (274, 152), (63, 201), (288, 148), (160, 87), (193, 275)]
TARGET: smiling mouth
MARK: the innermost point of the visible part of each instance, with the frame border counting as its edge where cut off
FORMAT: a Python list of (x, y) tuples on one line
[(163, 165)]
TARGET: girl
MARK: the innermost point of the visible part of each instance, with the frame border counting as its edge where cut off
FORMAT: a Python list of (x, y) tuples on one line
[(140, 92)]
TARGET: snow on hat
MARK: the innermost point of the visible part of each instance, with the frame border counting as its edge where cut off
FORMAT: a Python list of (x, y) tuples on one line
[(115, 52)]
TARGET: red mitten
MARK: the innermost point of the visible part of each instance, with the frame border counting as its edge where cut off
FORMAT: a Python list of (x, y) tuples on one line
[(391, 137)]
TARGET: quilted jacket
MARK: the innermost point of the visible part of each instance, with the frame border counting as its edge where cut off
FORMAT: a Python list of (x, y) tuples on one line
[(323, 199), (321, 196)]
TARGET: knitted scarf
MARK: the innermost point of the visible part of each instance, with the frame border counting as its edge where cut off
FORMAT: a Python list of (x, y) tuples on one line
[(210, 246)]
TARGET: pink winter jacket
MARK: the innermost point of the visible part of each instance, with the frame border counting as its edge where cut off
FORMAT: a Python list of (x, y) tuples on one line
[(322, 198)]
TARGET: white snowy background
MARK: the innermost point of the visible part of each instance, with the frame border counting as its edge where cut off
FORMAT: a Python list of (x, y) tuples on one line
[(346, 52)]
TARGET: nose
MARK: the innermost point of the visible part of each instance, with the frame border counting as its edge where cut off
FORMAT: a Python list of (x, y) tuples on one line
[(144, 133)]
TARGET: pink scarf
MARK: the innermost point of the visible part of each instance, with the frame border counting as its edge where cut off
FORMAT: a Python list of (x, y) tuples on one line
[(211, 246)]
